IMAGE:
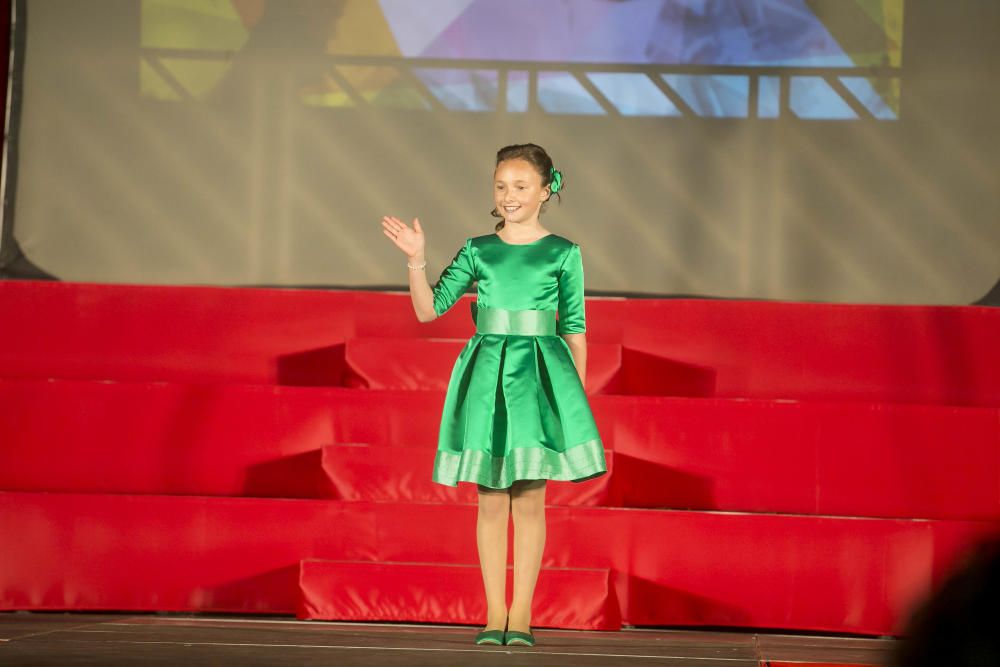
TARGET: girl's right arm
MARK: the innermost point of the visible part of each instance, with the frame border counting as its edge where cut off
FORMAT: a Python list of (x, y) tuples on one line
[(411, 242)]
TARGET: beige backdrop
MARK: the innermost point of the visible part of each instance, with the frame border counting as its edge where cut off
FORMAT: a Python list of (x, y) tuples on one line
[(251, 187)]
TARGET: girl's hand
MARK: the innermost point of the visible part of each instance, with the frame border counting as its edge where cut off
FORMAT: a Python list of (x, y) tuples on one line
[(409, 240)]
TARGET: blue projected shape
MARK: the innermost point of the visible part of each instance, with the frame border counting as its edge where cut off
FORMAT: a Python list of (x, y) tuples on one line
[(813, 98), (768, 96), (462, 89), (713, 95), (628, 57), (517, 91), (559, 92), (862, 89), (633, 94)]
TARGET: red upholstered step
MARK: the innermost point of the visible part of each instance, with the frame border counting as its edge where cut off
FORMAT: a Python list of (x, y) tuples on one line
[(402, 363), (840, 459), (200, 334), (754, 349), (846, 459), (419, 363), (359, 471), (575, 598), (671, 568), (169, 553)]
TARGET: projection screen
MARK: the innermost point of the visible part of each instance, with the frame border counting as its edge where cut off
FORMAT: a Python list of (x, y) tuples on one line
[(741, 148)]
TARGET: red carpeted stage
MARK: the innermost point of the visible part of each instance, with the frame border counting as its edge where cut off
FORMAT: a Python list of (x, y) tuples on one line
[(773, 465)]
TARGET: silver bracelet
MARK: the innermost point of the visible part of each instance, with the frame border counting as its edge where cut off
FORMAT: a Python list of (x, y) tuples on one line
[(416, 268)]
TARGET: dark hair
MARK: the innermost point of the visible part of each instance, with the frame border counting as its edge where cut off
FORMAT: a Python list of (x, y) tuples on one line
[(538, 158)]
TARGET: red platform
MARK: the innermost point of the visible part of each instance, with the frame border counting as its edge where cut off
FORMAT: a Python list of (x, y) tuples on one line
[(800, 466), (573, 598), (103, 552), (850, 459), (913, 354)]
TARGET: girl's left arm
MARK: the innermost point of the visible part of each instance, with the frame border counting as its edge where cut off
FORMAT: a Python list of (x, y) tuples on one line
[(572, 324), (578, 347)]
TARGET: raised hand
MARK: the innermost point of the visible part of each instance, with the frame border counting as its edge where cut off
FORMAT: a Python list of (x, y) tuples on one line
[(408, 239)]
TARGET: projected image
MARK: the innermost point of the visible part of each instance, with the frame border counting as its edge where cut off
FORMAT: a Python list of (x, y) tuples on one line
[(810, 59)]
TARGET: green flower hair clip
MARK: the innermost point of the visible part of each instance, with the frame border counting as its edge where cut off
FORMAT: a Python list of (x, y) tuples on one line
[(555, 185)]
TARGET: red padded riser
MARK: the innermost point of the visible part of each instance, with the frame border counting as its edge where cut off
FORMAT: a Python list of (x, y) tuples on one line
[(807, 458), (415, 363), (671, 568), (572, 598), (731, 569), (916, 354), (169, 553)]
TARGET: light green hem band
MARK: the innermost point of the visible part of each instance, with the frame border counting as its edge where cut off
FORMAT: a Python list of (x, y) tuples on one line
[(515, 322), (576, 464)]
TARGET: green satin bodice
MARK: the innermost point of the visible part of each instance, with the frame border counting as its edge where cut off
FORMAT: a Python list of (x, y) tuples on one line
[(546, 274)]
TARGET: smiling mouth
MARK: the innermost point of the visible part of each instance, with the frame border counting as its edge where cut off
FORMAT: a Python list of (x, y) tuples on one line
[(511, 209)]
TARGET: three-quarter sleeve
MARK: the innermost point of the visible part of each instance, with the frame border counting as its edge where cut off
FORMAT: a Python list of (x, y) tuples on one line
[(454, 280), (572, 318)]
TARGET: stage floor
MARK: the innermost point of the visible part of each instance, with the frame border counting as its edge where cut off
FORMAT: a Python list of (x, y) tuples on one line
[(56, 638)]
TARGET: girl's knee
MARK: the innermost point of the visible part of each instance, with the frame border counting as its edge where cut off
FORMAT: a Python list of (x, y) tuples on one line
[(493, 503), (528, 500)]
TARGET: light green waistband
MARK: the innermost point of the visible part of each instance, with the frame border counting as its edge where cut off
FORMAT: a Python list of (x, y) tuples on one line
[(515, 322)]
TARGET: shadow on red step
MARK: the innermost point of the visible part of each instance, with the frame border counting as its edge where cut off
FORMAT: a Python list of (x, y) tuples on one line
[(296, 476)]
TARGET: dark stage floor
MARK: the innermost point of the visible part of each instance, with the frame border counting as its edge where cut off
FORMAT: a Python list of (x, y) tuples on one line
[(54, 638)]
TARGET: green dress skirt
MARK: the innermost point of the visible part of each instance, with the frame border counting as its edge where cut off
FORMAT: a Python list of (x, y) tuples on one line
[(515, 407)]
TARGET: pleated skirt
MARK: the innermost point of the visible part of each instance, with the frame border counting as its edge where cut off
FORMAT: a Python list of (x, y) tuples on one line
[(515, 409)]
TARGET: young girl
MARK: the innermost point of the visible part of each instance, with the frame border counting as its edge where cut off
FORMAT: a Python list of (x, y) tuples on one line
[(515, 412)]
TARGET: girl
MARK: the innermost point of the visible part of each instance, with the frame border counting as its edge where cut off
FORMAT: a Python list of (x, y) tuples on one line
[(515, 413)]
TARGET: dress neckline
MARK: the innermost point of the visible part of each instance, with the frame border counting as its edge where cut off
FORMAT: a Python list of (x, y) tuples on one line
[(519, 244)]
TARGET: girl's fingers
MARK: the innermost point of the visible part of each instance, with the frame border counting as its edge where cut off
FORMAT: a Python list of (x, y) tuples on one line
[(393, 226), (395, 229)]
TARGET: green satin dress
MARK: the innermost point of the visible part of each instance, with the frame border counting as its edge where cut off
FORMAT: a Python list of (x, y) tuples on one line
[(515, 407)]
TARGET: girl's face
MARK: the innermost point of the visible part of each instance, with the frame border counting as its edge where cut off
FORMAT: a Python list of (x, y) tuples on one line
[(517, 191)]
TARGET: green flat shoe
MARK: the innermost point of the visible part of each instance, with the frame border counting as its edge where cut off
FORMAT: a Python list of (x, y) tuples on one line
[(523, 638), (490, 637)]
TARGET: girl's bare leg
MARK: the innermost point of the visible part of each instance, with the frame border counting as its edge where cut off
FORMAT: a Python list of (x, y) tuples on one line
[(528, 508), (491, 539)]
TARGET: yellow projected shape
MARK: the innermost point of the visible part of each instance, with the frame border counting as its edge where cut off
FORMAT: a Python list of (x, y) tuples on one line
[(197, 25), (152, 84), (889, 15), (192, 24), (382, 86), (327, 94), (196, 77), (362, 30)]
